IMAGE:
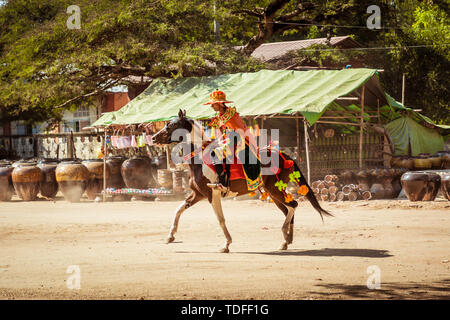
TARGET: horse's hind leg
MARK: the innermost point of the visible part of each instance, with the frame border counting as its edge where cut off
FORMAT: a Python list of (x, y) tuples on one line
[(217, 206), (285, 210), (192, 199), (288, 209)]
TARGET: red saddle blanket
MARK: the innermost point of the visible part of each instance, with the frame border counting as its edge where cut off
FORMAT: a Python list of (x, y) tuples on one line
[(236, 169)]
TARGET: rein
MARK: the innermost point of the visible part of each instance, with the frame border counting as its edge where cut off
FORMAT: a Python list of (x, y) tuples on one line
[(193, 153)]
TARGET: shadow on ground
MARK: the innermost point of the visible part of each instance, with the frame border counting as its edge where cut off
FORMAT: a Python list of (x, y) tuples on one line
[(330, 252), (395, 291)]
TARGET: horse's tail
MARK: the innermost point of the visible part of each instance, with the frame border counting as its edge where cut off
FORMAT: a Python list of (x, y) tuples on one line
[(310, 195)]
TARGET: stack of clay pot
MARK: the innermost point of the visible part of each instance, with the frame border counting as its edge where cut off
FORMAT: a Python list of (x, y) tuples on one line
[(72, 177), (327, 188), (421, 186), (378, 183), (423, 161), (26, 178), (157, 163), (48, 185), (177, 178), (95, 182), (165, 179), (6, 184)]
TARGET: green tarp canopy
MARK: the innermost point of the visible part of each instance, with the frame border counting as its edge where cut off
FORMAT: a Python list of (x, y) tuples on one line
[(407, 134), (265, 92)]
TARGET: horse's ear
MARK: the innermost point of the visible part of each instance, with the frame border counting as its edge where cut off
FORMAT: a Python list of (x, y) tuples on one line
[(184, 113), (180, 114)]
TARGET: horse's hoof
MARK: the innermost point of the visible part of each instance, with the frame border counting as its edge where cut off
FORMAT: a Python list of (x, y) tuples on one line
[(284, 246), (224, 250), (170, 240)]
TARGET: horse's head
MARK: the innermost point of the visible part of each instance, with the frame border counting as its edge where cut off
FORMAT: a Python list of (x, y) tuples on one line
[(177, 128)]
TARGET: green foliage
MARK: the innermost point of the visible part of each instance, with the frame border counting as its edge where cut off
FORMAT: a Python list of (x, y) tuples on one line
[(45, 66)]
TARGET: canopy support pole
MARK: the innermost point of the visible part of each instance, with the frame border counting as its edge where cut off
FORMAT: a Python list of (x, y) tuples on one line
[(308, 169), (297, 125), (361, 128), (168, 157), (105, 152)]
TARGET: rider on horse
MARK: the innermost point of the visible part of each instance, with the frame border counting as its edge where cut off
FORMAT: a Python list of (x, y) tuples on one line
[(233, 127)]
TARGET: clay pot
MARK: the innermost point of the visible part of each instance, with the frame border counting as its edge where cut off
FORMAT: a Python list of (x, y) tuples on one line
[(364, 180), (136, 172), (436, 161), (26, 178), (422, 163), (445, 182), (396, 185), (377, 189), (407, 163), (6, 184), (347, 177), (445, 158), (396, 161), (421, 186), (48, 185), (95, 182), (72, 177), (115, 178), (388, 177)]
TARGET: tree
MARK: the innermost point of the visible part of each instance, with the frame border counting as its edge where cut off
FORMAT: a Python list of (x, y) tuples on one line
[(46, 67)]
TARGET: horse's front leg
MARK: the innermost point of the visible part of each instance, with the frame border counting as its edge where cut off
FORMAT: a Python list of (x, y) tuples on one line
[(190, 201), (217, 206)]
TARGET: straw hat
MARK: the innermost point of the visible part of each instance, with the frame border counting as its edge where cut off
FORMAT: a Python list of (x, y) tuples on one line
[(217, 96)]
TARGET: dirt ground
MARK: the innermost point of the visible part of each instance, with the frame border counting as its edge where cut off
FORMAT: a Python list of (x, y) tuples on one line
[(120, 250)]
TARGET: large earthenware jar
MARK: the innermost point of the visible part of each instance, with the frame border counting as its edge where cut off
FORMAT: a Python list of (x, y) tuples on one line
[(364, 180), (95, 181), (115, 178), (72, 177), (6, 185), (48, 185), (377, 189), (136, 172), (434, 184), (26, 178), (420, 186), (445, 182)]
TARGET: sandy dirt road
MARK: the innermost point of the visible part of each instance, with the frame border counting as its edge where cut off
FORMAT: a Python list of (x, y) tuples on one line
[(121, 253)]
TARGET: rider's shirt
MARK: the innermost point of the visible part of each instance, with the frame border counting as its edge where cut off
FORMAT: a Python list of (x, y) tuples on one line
[(231, 120)]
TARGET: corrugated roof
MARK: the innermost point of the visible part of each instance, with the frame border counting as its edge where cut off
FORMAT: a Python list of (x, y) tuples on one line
[(260, 93), (274, 50)]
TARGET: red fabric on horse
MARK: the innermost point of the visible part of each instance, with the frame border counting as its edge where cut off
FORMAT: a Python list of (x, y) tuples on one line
[(236, 169)]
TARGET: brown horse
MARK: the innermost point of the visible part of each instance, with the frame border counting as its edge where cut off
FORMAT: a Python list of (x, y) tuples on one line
[(200, 183)]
